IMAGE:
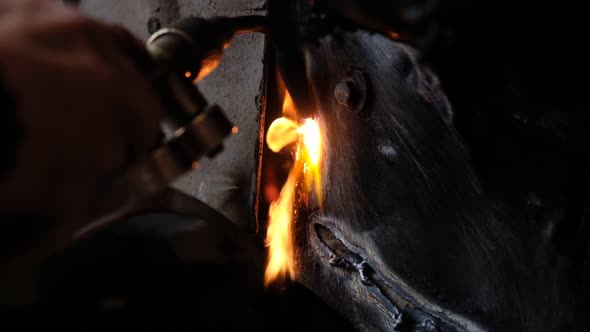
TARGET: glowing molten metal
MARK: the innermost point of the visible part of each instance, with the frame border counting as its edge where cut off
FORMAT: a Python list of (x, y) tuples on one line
[(304, 175)]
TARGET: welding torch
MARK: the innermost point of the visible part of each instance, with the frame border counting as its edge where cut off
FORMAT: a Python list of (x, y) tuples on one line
[(182, 54)]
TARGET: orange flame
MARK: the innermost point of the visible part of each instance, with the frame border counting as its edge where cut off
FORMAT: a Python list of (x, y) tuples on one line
[(306, 169)]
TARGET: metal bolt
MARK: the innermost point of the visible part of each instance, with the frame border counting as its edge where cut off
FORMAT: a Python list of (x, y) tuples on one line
[(346, 92), (351, 91)]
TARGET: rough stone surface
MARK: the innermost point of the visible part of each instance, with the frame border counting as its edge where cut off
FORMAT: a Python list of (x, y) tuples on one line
[(226, 181)]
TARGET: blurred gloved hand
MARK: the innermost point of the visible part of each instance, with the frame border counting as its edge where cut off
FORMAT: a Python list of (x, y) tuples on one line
[(83, 108)]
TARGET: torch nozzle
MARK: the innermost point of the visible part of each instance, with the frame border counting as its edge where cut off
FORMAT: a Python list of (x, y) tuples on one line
[(195, 44)]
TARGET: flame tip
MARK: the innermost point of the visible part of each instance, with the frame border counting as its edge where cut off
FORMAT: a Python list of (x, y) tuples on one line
[(304, 176)]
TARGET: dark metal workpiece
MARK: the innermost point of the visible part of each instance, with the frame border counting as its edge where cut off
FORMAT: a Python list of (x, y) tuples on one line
[(402, 190), (405, 315), (376, 204)]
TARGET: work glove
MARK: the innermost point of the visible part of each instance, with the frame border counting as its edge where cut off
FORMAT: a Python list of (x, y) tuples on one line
[(77, 110)]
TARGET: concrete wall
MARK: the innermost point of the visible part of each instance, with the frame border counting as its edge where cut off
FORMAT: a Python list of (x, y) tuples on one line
[(226, 183)]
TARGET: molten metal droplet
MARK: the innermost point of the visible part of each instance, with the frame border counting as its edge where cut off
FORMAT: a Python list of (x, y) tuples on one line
[(394, 35), (235, 130), (188, 74)]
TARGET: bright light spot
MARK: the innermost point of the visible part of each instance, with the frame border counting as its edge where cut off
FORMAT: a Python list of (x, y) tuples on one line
[(306, 170)]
